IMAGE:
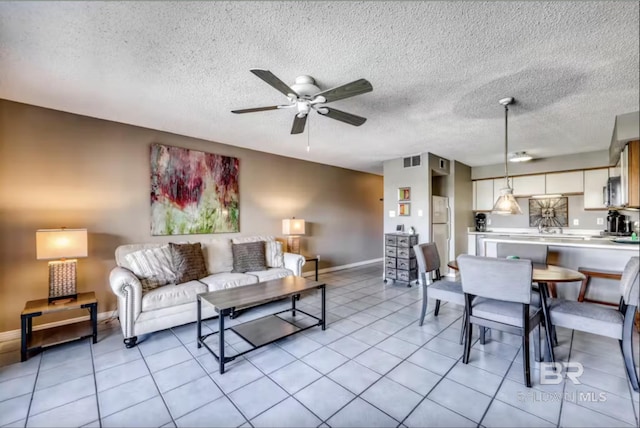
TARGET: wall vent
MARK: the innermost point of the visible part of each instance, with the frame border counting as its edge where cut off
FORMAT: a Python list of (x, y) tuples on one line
[(412, 161)]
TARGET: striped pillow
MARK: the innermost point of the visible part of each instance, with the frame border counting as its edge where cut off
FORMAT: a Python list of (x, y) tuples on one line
[(153, 266), (248, 257), (273, 254)]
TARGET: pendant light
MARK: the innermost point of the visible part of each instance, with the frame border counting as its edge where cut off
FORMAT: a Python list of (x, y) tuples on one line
[(506, 203)]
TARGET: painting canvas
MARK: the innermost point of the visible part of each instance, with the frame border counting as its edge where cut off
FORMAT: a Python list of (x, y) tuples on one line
[(549, 212), (193, 192)]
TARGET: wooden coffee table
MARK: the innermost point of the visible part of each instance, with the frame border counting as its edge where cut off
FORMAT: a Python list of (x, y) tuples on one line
[(265, 330)]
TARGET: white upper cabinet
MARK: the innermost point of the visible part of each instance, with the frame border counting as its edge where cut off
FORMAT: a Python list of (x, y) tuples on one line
[(528, 185), (565, 182), (594, 182), (474, 191), (484, 195)]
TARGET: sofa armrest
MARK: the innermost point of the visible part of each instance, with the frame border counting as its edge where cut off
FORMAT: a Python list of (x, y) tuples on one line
[(294, 262), (128, 288)]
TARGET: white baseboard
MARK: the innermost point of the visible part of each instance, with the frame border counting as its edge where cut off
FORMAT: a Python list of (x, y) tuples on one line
[(15, 334), (342, 267)]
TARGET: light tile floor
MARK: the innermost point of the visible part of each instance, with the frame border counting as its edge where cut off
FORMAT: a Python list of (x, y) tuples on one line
[(373, 366)]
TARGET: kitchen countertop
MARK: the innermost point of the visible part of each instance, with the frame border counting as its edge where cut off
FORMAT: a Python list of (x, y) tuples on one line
[(564, 241)]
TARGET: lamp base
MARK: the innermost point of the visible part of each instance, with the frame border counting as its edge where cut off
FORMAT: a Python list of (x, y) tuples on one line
[(62, 280), (293, 244)]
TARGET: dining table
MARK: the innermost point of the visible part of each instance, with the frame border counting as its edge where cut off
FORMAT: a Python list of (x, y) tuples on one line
[(543, 274)]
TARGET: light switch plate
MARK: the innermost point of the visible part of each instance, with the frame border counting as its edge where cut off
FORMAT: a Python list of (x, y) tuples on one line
[(600, 221), (488, 222), (576, 222)]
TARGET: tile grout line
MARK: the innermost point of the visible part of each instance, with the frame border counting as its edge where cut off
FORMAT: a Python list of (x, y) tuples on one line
[(577, 403), (564, 385), (33, 392)]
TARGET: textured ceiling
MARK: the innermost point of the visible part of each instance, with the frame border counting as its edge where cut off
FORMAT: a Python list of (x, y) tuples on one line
[(438, 70)]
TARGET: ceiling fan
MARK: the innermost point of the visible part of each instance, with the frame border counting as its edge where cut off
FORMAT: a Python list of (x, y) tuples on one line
[(305, 96)]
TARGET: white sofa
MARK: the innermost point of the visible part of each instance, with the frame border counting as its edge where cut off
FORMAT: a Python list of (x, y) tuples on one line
[(172, 305)]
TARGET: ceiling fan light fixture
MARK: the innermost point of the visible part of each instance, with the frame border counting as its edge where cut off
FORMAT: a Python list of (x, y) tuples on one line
[(506, 203), (520, 157)]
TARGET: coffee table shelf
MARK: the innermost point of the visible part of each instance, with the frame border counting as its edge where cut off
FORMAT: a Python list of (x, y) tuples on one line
[(262, 331)]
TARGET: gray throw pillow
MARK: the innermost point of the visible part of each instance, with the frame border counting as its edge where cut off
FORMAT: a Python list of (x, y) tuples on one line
[(248, 257), (188, 262)]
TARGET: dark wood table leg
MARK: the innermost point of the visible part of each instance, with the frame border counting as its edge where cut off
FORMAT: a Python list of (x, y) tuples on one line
[(199, 322), (23, 344), (221, 337), (317, 262), (293, 304), (544, 293), (324, 311), (93, 310)]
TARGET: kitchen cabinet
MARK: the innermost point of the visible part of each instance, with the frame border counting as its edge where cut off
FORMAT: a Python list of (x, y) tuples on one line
[(595, 180), (529, 185), (565, 183), (630, 174), (474, 188), (484, 195)]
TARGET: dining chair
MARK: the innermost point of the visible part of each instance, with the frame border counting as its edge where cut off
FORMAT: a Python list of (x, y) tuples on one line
[(535, 253), (439, 289), (604, 321), (498, 295)]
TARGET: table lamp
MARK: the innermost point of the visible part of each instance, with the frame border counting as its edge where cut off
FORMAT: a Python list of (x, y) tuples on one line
[(60, 247), (293, 227)]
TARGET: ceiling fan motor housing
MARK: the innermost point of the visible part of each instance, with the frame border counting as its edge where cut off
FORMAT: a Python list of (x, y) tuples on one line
[(305, 86)]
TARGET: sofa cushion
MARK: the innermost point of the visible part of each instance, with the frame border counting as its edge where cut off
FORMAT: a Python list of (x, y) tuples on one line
[(272, 273), (188, 262), (172, 295), (273, 254), (153, 266), (217, 255), (224, 280), (249, 256)]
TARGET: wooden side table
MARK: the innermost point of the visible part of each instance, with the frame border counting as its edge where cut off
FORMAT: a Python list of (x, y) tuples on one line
[(33, 341)]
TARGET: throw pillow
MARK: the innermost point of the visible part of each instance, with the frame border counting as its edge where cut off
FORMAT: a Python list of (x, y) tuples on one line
[(188, 262), (248, 257), (217, 255), (153, 266), (274, 254)]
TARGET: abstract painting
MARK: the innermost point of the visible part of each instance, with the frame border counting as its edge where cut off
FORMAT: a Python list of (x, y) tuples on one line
[(193, 192), (549, 212)]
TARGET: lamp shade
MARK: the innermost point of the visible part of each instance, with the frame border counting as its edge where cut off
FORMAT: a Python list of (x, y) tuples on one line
[(293, 226), (61, 243), (506, 203)]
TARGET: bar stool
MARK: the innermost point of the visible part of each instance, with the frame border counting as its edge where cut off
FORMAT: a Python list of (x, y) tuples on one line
[(596, 273)]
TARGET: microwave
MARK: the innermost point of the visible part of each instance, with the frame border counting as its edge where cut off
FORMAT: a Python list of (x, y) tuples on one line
[(612, 193)]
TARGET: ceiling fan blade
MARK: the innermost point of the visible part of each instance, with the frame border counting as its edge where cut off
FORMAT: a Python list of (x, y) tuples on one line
[(252, 110), (272, 80), (298, 124), (343, 116), (352, 89)]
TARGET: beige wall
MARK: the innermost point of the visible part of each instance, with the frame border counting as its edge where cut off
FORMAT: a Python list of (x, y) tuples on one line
[(59, 169)]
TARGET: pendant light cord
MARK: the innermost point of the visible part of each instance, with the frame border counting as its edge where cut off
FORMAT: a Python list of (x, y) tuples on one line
[(506, 144)]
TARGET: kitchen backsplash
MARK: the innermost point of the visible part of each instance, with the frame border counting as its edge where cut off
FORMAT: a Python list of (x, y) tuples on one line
[(586, 219)]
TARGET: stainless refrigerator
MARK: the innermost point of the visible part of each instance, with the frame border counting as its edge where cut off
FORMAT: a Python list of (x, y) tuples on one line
[(440, 229)]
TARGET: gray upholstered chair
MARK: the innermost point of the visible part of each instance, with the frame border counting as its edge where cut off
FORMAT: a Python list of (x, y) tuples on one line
[(428, 266), (534, 252), (498, 295), (604, 321)]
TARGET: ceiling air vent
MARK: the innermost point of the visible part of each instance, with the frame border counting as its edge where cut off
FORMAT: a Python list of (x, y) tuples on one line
[(411, 161)]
